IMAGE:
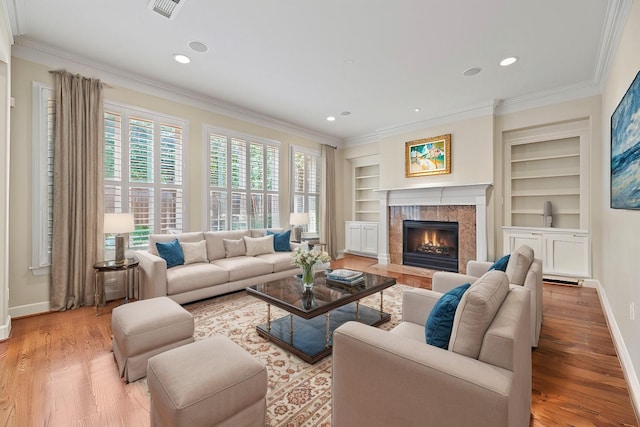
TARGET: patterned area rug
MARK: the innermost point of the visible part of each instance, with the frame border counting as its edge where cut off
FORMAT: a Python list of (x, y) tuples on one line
[(299, 394)]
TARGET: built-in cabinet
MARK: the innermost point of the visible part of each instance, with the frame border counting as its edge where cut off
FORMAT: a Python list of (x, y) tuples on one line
[(564, 252), (542, 165), (361, 237)]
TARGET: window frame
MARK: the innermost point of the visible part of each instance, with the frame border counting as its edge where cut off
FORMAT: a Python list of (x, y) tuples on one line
[(207, 131), (40, 238), (306, 194), (126, 111)]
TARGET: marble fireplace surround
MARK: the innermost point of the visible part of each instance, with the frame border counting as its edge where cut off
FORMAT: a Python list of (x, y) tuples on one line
[(441, 203)]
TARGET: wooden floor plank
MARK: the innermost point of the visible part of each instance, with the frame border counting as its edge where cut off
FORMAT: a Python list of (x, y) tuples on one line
[(58, 370)]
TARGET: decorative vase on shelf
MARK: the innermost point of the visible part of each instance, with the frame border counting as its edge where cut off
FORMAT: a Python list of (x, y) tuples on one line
[(307, 277)]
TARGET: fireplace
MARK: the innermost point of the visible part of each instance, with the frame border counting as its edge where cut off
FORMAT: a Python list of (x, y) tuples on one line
[(430, 244)]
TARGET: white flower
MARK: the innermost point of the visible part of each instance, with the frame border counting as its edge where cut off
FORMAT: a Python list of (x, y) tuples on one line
[(308, 258)]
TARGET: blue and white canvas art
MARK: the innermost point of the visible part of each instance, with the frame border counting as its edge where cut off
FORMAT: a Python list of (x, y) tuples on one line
[(625, 150)]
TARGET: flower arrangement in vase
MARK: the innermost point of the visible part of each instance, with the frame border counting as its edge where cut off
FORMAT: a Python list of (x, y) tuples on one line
[(307, 259)]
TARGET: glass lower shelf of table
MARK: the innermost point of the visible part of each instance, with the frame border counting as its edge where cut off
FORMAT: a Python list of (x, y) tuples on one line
[(311, 339)]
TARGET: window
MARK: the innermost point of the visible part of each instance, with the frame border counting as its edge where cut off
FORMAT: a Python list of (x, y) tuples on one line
[(243, 181), (305, 187), (145, 174), (43, 136)]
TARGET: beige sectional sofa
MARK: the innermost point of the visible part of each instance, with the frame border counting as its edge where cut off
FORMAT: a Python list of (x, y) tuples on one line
[(227, 266)]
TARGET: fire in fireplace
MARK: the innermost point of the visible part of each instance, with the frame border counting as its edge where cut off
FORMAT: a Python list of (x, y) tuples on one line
[(430, 244)]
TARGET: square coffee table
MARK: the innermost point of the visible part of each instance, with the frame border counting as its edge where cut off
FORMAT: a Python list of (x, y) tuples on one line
[(313, 315)]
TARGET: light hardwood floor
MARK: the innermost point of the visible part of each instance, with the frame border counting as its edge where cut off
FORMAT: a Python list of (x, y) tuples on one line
[(57, 369)]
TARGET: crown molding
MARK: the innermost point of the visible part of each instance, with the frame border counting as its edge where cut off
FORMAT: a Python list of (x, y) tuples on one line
[(615, 20), (457, 115), (30, 50)]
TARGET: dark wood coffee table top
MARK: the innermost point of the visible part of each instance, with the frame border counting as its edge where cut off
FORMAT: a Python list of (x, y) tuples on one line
[(288, 293)]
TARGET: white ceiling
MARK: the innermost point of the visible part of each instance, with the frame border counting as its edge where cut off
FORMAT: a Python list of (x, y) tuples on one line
[(299, 61)]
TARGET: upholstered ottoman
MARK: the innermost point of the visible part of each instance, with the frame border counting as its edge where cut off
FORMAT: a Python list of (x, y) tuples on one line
[(142, 329), (213, 382)]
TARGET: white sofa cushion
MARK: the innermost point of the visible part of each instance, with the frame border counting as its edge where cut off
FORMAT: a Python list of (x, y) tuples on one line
[(192, 237), (234, 248), (194, 252), (215, 241), (518, 265), (243, 267), (281, 261), (476, 311), (259, 245), (184, 278)]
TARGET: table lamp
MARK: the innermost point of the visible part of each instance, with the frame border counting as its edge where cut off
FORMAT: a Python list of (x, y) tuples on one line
[(118, 224), (298, 220)]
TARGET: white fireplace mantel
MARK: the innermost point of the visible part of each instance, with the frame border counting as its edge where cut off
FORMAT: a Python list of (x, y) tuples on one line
[(448, 194)]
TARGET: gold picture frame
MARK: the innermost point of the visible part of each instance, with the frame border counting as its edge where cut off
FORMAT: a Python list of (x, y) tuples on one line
[(428, 156)]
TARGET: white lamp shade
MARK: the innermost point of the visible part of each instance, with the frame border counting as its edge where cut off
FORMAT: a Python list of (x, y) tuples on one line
[(299, 218), (117, 223)]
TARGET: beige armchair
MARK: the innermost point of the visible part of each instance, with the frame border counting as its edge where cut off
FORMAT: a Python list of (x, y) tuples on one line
[(530, 269), (385, 378)]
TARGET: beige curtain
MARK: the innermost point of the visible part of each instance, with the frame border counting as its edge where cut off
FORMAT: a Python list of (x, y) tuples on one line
[(77, 190), (328, 203)]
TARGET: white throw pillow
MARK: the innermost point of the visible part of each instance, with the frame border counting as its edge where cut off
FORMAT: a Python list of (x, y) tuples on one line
[(194, 252), (259, 245), (518, 266), (476, 311), (233, 248)]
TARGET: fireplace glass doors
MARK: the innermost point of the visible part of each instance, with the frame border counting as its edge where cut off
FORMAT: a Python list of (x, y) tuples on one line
[(430, 244)]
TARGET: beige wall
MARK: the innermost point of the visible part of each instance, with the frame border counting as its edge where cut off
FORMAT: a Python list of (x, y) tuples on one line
[(30, 293), (617, 248)]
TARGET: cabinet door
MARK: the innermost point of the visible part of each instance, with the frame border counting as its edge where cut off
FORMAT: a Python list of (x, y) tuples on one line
[(514, 239), (567, 254), (370, 238), (353, 240)]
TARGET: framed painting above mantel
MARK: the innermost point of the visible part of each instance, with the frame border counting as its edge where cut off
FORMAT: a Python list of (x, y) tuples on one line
[(428, 156)]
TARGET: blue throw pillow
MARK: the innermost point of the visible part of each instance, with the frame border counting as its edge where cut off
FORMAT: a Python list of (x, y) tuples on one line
[(171, 252), (501, 264), (281, 240), (440, 322)]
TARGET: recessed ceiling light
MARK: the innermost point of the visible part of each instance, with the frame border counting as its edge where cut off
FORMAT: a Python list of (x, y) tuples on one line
[(417, 110), (345, 113), (508, 61), (471, 71), (331, 118), (183, 59), (198, 46)]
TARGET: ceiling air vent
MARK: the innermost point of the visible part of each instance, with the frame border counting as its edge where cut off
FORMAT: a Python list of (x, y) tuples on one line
[(166, 8)]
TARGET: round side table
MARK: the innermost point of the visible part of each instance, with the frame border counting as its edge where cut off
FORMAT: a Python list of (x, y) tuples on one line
[(101, 267)]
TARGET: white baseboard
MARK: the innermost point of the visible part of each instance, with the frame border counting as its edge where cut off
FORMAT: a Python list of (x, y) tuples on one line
[(623, 354), (30, 309), (5, 330)]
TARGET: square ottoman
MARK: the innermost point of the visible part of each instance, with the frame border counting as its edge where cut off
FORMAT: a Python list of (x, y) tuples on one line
[(142, 329), (213, 382)]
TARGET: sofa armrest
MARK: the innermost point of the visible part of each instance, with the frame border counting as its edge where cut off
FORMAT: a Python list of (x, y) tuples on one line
[(478, 268), (444, 281), (153, 275), (417, 304), (380, 378), (533, 282)]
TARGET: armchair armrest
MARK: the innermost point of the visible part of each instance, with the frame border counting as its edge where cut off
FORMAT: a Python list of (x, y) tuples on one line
[(444, 281), (417, 304), (382, 379), (478, 268), (153, 275)]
